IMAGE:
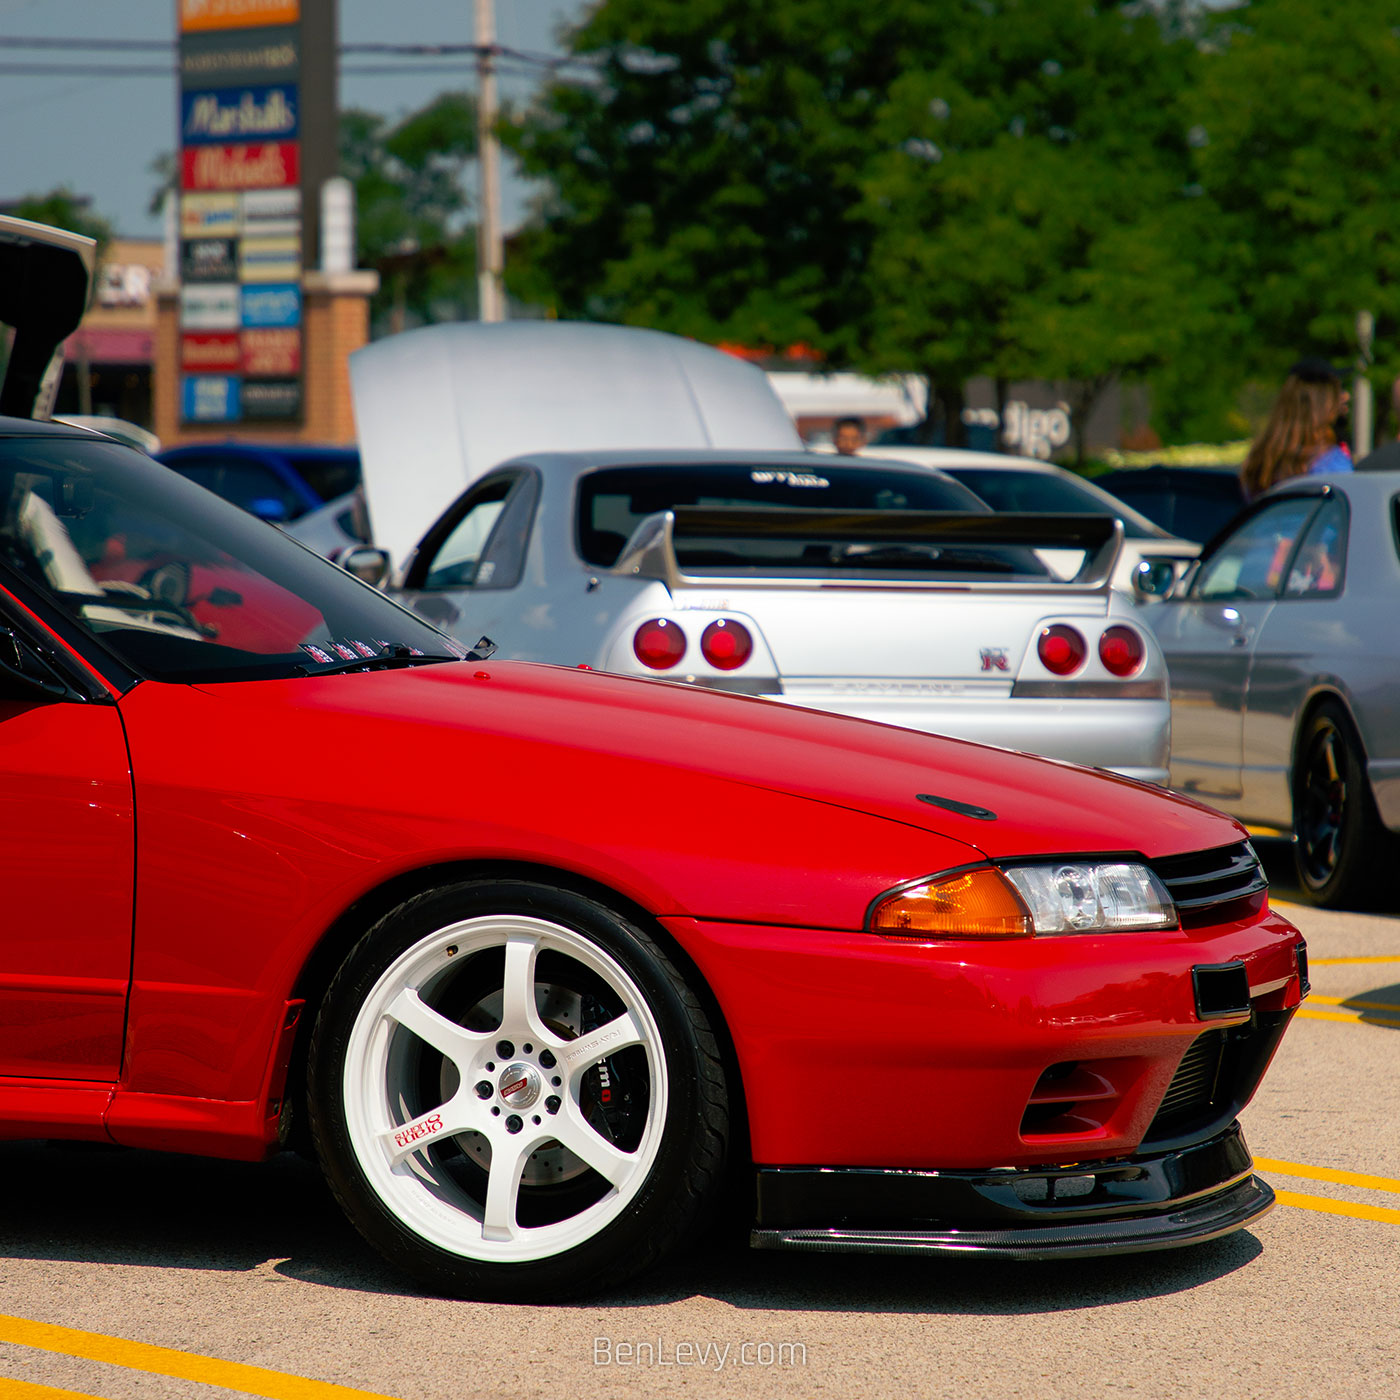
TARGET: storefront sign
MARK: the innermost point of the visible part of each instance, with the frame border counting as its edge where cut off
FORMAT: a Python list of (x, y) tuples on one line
[(212, 307), (271, 398), (240, 167), (123, 284), (210, 352), (269, 259), (278, 304), (209, 260), (236, 14), (272, 352), (208, 215), (209, 398), (268, 213), (218, 57), (226, 114)]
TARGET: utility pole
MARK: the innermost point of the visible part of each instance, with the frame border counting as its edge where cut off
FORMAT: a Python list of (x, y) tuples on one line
[(1362, 415), (490, 257)]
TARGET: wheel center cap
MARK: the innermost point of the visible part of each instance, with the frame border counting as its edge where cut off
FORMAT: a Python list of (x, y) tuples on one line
[(519, 1085)]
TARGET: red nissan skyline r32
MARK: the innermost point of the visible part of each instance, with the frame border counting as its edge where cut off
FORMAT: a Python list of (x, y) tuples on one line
[(541, 954)]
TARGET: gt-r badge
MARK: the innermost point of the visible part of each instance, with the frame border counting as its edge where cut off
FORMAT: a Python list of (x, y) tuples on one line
[(993, 658)]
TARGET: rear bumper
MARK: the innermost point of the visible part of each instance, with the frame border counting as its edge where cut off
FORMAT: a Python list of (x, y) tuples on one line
[(1144, 1202), (1131, 737)]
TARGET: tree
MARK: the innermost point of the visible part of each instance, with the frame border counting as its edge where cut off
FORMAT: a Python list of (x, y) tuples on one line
[(411, 208), (61, 208), (1298, 126), (706, 182), (954, 187)]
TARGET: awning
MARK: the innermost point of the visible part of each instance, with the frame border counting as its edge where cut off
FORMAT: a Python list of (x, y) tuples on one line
[(106, 346)]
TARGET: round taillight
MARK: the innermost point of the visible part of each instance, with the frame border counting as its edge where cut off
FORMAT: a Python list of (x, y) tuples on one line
[(659, 644), (1061, 649), (726, 645), (1121, 650)]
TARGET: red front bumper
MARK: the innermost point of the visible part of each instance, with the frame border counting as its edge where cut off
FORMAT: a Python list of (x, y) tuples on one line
[(856, 1050)]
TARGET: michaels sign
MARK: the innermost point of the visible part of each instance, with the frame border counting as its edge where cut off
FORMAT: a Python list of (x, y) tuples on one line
[(239, 114)]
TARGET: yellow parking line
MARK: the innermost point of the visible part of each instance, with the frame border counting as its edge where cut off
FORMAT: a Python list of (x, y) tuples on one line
[(1330, 1207), (1341, 1178), (1354, 1004), (1354, 1020), (1341, 962), (28, 1390), (162, 1361)]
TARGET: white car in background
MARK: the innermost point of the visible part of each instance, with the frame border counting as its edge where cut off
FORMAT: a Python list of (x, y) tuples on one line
[(655, 515), (1151, 559), (880, 590)]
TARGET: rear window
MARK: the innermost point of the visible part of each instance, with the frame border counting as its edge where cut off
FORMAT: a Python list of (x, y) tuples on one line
[(1041, 493), (613, 502)]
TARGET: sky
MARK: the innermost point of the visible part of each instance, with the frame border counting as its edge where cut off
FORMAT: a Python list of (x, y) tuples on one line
[(98, 135)]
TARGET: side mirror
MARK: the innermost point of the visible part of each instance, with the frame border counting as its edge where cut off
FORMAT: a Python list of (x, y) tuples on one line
[(364, 561), (24, 675), (1153, 578)]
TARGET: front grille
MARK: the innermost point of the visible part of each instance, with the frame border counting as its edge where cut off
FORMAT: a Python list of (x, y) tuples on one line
[(1193, 1086), (1202, 882)]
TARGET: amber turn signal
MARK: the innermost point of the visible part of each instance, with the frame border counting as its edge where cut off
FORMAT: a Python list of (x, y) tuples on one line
[(971, 904)]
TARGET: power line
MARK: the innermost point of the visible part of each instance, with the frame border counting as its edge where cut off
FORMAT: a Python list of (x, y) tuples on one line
[(449, 50), (137, 70)]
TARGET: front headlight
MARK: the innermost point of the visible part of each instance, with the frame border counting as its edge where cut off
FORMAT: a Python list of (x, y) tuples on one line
[(1069, 897), (1025, 900)]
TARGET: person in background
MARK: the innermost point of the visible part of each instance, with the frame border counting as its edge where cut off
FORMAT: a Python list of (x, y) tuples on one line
[(1386, 457), (848, 436), (1302, 435)]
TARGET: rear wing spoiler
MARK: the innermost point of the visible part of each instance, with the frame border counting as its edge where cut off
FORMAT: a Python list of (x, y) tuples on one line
[(651, 552), (46, 277)]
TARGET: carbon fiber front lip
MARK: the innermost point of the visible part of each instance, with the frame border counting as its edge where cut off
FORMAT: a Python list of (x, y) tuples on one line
[(1202, 1220)]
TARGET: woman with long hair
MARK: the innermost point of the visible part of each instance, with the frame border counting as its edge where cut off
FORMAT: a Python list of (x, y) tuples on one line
[(1300, 436)]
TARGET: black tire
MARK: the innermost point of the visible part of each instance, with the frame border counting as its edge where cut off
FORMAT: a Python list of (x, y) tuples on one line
[(650, 1120), (1338, 838)]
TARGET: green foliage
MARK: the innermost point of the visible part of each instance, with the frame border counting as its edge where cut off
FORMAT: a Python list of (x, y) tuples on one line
[(1296, 105), (61, 208), (953, 187), (412, 209)]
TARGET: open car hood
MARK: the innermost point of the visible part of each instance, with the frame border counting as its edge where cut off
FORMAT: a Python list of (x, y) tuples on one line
[(438, 407), (45, 284)]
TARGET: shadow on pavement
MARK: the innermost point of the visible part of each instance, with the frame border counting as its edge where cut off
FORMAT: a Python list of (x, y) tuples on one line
[(84, 1203)]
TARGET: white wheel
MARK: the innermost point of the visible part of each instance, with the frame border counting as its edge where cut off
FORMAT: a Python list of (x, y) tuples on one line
[(492, 1092)]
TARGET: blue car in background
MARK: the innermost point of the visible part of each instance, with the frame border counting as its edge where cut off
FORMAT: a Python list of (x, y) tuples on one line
[(275, 483)]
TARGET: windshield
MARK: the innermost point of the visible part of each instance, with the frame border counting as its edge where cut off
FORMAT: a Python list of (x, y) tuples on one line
[(1042, 493), (614, 501), (180, 584)]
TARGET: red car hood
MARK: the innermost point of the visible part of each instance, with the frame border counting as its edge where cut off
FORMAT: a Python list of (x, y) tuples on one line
[(1041, 806)]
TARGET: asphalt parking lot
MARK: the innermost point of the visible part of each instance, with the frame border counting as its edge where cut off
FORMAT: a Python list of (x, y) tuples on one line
[(128, 1274)]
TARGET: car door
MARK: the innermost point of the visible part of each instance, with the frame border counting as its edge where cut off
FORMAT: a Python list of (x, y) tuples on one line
[(67, 852), (465, 575), (1307, 634), (1208, 639)]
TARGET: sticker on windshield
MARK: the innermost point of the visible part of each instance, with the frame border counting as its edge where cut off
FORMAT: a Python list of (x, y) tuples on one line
[(363, 648), (316, 654), (342, 650), (786, 478)]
